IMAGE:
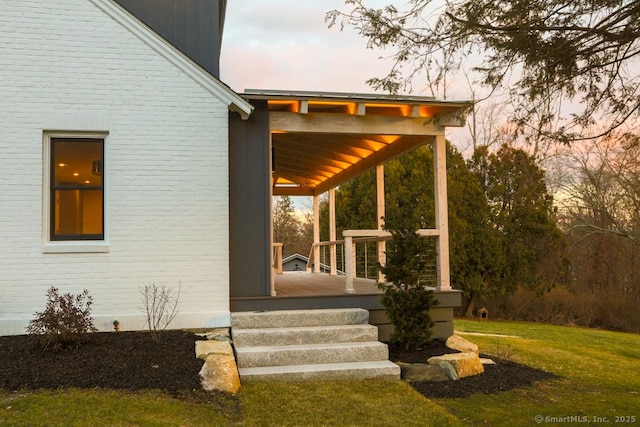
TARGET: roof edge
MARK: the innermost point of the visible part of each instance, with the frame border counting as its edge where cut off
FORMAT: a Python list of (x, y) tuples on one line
[(346, 96), (172, 54)]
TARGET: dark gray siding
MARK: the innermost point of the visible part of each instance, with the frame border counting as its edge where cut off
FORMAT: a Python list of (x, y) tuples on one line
[(249, 204), (193, 26)]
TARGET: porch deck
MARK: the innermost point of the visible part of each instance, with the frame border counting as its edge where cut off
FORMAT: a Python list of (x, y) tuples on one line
[(301, 283), (299, 290)]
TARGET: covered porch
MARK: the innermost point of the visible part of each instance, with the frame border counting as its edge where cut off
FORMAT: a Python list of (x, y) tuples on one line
[(315, 142)]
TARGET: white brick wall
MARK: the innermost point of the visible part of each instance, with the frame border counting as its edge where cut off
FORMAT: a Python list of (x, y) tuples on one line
[(65, 65)]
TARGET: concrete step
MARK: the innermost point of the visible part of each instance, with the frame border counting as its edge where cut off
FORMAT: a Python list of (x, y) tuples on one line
[(310, 354), (293, 318), (325, 371), (304, 335)]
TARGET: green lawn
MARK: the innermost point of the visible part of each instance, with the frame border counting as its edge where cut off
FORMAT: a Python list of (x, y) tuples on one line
[(599, 370)]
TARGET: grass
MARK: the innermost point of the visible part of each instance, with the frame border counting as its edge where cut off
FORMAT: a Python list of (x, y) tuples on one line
[(599, 370), (599, 377), (352, 403), (99, 407)]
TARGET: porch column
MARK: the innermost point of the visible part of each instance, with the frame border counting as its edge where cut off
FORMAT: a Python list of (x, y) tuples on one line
[(316, 233), (332, 232), (273, 183), (442, 212), (380, 213)]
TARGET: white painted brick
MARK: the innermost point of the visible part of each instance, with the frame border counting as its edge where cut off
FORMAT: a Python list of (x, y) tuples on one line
[(67, 66)]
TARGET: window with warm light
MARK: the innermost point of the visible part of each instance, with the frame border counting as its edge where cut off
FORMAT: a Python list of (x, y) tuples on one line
[(77, 189)]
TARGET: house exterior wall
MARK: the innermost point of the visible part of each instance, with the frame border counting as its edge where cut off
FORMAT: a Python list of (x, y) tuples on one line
[(66, 66), (193, 26), (250, 204)]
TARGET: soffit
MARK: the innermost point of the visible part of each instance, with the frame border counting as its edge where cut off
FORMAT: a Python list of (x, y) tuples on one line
[(322, 139)]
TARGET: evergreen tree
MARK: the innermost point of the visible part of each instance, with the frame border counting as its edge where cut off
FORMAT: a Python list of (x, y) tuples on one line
[(522, 210)]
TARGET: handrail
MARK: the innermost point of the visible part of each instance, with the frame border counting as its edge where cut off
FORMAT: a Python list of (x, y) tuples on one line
[(351, 237)]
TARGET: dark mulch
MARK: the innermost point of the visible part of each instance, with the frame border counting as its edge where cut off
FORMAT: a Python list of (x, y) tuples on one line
[(133, 361), (122, 360), (502, 376)]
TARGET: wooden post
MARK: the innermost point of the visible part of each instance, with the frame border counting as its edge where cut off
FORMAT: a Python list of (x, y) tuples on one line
[(272, 278), (380, 213), (277, 247), (332, 232), (316, 233), (348, 265), (442, 212)]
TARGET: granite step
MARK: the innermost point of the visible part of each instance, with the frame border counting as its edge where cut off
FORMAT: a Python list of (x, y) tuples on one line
[(309, 354), (325, 371), (304, 335), (298, 345), (296, 318)]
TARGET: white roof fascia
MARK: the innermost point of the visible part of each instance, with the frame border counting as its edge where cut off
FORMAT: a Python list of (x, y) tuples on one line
[(181, 61)]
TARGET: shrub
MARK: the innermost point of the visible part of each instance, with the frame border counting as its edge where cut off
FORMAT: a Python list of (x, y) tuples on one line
[(407, 301), (65, 321), (160, 305)]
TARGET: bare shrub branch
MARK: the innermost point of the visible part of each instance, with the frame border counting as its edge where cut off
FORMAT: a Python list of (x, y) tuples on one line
[(160, 304)]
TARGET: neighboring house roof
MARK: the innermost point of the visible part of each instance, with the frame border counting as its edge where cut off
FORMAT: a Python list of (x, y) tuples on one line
[(172, 54), (305, 260)]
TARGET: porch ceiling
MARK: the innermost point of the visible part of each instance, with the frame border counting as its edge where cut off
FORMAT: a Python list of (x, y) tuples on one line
[(320, 140)]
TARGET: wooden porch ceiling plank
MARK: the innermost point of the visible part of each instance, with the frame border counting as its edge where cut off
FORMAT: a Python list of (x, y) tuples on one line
[(347, 145), (284, 157), (366, 142), (315, 152), (304, 181), (391, 151), (352, 124), (304, 171)]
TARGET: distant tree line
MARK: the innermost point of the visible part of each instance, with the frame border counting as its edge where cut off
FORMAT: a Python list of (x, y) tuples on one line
[(569, 256)]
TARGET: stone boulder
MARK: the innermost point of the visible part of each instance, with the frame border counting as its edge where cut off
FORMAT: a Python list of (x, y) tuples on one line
[(456, 342), (219, 334), (414, 372), (219, 371), (458, 365)]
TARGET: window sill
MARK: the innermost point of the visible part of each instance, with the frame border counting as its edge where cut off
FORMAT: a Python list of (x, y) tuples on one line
[(75, 247)]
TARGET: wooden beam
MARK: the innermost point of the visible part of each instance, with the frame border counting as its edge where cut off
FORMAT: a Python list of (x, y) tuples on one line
[(316, 233), (380, 215), (293, 191), (352, 124), (456, 119), (391, 151), (332, 232), (442, 215)]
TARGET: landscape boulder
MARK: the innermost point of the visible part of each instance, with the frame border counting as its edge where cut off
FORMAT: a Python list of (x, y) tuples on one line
[(456, 342), (459, 365), (219, 371), (415, 372)]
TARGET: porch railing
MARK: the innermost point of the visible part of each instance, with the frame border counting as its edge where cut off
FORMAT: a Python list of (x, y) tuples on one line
[(359, 255)]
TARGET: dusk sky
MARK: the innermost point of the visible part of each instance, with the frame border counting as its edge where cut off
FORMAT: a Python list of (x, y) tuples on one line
[(286, 44)]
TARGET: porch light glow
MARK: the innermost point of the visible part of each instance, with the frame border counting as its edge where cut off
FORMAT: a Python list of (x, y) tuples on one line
[(62, 165), (76, 174)]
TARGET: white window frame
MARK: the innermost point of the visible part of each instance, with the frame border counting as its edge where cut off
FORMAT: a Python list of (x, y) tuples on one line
[(71, 246)]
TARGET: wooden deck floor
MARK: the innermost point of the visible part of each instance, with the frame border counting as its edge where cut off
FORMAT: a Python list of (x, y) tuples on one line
[(301, 283)]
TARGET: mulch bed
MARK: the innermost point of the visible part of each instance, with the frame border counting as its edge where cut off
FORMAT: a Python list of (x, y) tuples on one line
[(122, 360), (502, 376), (133, 361)]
